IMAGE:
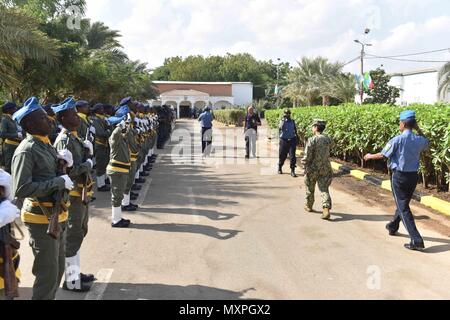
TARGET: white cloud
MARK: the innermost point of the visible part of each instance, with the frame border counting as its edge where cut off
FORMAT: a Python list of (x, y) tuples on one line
[(155, 29)]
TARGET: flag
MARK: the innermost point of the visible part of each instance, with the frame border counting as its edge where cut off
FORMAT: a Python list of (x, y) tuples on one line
[(277, 90), (368, 82)]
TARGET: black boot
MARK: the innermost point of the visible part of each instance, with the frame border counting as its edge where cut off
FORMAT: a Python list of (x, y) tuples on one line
[(77, 287), (140, 180), (121, 224), (104, 189), (129, 208), (87, 278), (293, 175), (280, 170), (144, 174), (136, 187)]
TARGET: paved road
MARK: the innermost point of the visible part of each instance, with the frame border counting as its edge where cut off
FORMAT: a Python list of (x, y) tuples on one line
[(232, 231)]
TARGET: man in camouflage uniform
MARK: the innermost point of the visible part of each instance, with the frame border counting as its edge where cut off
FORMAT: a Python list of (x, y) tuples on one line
[(10, 133), (318, 168)]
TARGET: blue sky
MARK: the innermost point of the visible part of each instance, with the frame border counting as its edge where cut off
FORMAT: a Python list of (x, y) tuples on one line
[(287, 29)]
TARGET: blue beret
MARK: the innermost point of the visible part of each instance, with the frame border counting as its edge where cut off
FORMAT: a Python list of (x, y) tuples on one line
[(97, 107), (122, 111), (30, 106), (8, 106), (126, 101), (407, 115), (115, 120), (67, 104), (81, 103)]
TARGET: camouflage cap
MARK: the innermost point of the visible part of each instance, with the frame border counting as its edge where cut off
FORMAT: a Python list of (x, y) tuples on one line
[(319, 122)]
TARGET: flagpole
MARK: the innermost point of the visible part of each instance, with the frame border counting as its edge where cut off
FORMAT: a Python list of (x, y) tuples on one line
[(363, 54)]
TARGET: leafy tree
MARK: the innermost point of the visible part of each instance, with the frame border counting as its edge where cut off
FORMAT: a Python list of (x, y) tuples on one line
[(382, 92)]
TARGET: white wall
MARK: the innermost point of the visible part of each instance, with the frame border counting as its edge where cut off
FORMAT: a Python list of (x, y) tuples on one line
[(242, 93), (417, 88)]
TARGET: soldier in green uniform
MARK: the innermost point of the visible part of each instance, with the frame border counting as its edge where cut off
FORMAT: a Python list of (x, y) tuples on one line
[(82, 151), (119, 166), (318, 168), (35, 179), (102, 134), (133, 145), (10, 133), (85, 127)]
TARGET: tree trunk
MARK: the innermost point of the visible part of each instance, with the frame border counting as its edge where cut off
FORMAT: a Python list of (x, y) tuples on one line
[(325, 101)]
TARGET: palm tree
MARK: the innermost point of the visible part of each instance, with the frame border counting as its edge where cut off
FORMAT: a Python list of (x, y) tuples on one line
[(309, 81), (20, 39), (342, 87), (100, 36), (444, 82)]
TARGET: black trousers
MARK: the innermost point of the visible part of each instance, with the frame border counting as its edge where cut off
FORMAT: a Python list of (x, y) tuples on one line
[(206, 140), (288, 147), (403, 186)]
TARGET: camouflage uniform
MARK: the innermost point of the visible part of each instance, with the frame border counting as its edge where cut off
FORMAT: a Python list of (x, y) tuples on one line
[(318, 169)]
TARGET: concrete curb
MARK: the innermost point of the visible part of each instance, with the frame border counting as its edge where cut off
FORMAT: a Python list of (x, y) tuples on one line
[(429, 201)]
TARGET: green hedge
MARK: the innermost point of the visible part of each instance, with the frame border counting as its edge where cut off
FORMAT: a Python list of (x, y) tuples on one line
[(357, 130), (230, 116)]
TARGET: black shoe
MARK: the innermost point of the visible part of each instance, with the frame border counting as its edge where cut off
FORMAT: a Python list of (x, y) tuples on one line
[(140, 180), (129, 208), (148, 168), (104, 189), (107, 182), (144, 174), (133, 194), (247, 157), (280, 171), (87, 278), (293, 175), (136, 187), (133, 198), (121, 224), (79, 287), (415, 247), (392, 233)]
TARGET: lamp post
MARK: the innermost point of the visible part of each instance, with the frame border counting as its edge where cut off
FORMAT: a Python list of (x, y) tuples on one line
[(277, 88), (363, 53)]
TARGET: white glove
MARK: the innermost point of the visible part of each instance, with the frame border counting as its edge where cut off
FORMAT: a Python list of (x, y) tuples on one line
[(68, 182), (91, 163), (67, 156), (20, 135), (6, 183), (92, 130), (8, 213), (88, 145), (122, 125)]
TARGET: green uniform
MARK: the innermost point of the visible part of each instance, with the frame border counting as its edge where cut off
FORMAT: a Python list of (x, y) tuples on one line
[(34, 171), (318, 169), (132, 138), (9, 132), (102, 134), (78, 211), (84, 126), (119, 166)]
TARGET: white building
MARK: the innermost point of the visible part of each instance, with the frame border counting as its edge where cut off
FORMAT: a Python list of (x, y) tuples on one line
[(417, 86), (185, 95)]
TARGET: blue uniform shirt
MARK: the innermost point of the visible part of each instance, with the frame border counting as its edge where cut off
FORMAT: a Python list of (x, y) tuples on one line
[(404, 151), (206, 119), (287, 129)]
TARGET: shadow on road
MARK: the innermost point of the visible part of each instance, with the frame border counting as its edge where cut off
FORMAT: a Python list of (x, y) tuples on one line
[(220, 234), (343, 217), (435, 249), (210, 214), (125, 291)]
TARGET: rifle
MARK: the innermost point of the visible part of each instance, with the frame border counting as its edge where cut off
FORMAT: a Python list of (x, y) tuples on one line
[(88, 179), (8, 244)]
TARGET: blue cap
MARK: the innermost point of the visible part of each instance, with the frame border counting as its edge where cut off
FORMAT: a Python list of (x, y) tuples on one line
[(407, 115), (122, 111), (9, 106), (30, 106), (126, 101), (67, 104), (97, 106), (81, 103)]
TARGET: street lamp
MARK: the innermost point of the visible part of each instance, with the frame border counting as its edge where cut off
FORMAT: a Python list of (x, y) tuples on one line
[(363, 53)]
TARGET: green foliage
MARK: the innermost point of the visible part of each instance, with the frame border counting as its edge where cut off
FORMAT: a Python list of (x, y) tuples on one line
[(444, 82), (357, 130), (382, 93), (234, 117)]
